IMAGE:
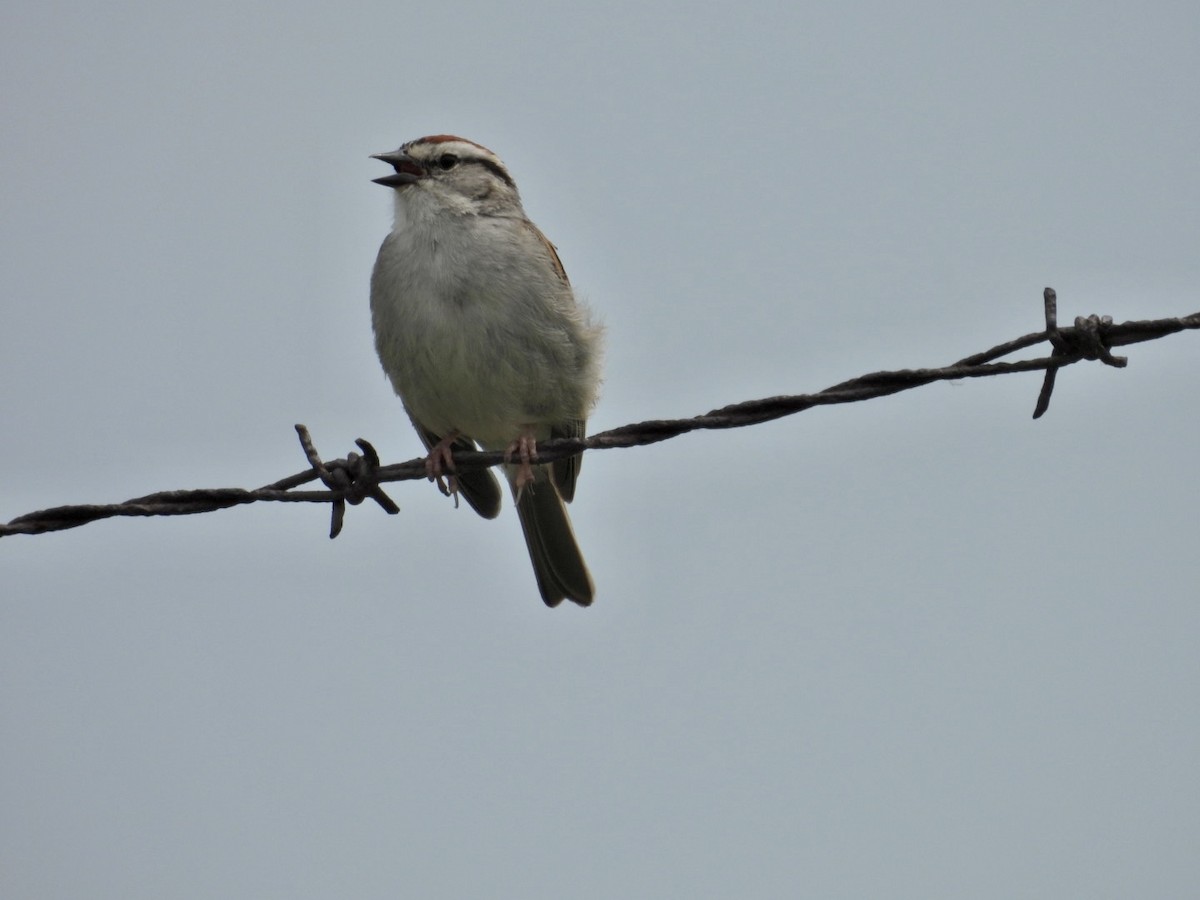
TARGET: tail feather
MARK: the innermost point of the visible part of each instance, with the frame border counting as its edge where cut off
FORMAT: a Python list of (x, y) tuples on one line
[(557, 561)]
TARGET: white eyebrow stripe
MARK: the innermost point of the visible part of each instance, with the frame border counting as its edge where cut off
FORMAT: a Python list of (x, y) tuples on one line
[(469, 150)]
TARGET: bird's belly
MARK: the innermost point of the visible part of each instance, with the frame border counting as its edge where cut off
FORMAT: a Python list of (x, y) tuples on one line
[(462, 366)]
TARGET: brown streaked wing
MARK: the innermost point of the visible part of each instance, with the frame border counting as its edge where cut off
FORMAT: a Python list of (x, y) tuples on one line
[(552, 250)]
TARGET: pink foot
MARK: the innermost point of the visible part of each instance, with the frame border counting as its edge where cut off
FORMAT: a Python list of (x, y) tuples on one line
[(524, 450), (439, 462)]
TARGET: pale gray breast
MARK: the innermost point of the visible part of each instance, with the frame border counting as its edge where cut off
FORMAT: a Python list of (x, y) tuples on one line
[(478, 331)]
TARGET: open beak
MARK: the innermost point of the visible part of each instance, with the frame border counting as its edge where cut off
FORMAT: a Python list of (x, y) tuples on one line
[(407, 169)]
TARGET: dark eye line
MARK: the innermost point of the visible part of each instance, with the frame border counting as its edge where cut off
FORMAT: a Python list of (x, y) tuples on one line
[(496, 170), (448, 161)]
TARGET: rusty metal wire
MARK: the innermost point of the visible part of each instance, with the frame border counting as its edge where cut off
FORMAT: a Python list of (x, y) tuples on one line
[(358, 477)]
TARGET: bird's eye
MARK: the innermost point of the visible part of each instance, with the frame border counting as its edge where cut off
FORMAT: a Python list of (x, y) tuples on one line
[(447, 161)]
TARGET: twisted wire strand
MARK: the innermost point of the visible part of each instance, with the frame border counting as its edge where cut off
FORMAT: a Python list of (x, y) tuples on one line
[(358, 477)]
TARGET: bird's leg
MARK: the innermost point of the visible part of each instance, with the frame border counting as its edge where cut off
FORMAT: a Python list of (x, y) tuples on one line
[(439, 462), (524, 450)]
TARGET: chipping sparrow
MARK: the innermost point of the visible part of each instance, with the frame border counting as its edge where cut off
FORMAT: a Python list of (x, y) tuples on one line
[(479, 332)]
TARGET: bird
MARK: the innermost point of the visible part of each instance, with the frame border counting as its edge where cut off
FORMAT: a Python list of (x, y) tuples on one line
[(483, 339)]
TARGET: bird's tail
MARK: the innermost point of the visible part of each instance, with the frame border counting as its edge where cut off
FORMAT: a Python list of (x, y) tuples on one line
[(557, 561)]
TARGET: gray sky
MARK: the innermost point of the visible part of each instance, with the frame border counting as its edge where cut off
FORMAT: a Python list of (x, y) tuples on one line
[(918, 647)]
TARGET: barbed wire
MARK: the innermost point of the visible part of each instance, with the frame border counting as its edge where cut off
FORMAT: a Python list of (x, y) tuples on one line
[(359, 477)]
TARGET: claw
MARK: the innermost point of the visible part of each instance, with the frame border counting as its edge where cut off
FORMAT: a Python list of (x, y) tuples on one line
[(439, 466), (524, 450)]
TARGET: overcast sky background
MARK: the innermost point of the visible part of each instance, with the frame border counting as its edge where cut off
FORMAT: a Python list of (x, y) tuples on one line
[(916, 647)]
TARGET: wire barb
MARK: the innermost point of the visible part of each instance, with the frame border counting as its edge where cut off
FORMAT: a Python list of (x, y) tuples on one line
[(352, 480), (1089, 339), (359, 477)]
